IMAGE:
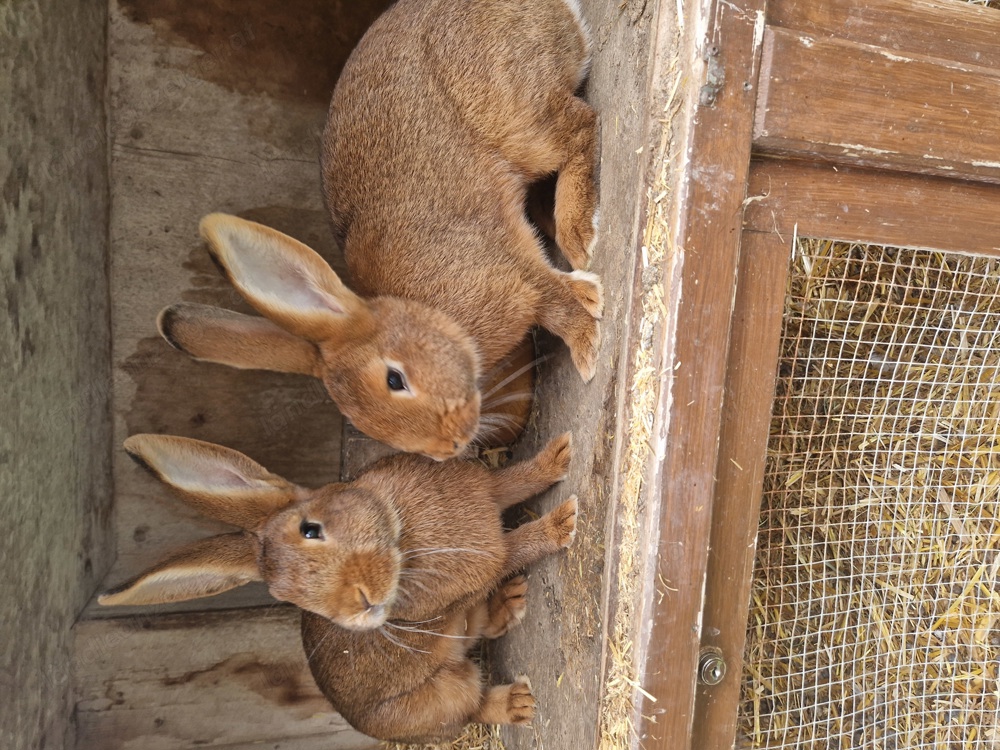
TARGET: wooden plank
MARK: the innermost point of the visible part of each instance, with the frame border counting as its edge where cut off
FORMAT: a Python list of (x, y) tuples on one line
[(696, 340), (952, 30), (219, 680), (881, 208), (206, 116), (560, 642), (750, 379), (857, 104)]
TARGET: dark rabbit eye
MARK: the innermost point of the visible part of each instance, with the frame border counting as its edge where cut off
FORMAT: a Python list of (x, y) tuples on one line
[(311, 530), (395, 380)]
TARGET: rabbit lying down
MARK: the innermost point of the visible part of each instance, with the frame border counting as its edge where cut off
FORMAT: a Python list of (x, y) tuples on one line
[(445, 113), (400, 572)]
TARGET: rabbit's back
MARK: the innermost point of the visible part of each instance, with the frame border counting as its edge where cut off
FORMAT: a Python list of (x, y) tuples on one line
[(432, 136)]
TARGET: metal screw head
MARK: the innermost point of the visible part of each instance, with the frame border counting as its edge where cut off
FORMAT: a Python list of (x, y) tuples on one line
[(711, 667)]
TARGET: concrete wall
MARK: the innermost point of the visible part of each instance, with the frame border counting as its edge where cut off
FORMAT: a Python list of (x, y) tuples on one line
[(54, 354)]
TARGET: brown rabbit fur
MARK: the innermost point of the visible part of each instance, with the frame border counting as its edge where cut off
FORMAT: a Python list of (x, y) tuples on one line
[(400, 572), (443, 116)]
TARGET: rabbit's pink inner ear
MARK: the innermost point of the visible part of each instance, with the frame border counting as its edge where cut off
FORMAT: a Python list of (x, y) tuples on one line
[(173, 585), (222, 483), (205, 568), (284, 279)]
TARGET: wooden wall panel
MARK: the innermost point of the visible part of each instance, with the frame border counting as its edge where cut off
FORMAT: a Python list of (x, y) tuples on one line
[(833, 99), (184, 681), (213, 108)]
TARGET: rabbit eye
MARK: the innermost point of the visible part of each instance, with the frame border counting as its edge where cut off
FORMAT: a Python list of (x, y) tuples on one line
[(311, 530), (395, 380)]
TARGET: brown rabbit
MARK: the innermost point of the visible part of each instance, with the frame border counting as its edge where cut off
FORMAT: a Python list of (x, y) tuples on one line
[(443, 116), (401, 571)]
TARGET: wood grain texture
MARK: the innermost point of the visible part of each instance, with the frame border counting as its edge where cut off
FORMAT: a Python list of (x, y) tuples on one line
[(750, 380), (696, 341), (952, 30), (839, 100), (55, 422), (221, 680), (881, 208), (196, 127), (560, 643)]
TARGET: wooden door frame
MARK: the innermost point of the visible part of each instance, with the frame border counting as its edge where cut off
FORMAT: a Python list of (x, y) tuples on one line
[(732, 227)]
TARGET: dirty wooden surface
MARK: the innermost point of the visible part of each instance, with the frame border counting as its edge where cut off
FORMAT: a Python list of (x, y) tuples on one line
[(854, 103), (702, 277), (945, 29), (750, 379), (559, 644), (213, 108), (55, 432), (222, 679), (882, 208)]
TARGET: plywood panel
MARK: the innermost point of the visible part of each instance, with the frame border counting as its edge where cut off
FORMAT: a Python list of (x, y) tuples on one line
[(882, 208), (835, 99), (220, 680), (213, 109)]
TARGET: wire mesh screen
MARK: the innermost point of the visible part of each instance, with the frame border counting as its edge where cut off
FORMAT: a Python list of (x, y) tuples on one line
[(875, 619)]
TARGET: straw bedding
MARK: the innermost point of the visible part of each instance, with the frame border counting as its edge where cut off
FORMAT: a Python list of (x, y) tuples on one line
[(875, 615)]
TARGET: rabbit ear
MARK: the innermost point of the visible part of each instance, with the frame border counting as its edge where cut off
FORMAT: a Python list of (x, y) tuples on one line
[(285, 280), (207, 567), (221, 483), (229, 338)]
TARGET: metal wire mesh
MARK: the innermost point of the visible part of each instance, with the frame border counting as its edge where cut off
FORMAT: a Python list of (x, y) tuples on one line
[(875, 615)]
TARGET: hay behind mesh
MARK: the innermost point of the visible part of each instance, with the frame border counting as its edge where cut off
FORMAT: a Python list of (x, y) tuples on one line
[(875, 619)]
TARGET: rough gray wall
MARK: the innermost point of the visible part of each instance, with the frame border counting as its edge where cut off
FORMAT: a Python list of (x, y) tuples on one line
[(54, 354)]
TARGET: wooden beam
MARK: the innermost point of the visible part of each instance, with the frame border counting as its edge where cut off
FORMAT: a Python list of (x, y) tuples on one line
[(883, 208), (947, 29), (857, 104), (750, 380), (223, 679), (701, 278)]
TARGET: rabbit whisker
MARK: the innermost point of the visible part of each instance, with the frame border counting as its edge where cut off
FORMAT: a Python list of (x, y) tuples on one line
[(389, 638), (498, 421), (431, 632), (321, 640), (424, 551), (493, 425), (514, 375), (420, 622), (421, 571), (418, 584), (501, 400), (497, 417)]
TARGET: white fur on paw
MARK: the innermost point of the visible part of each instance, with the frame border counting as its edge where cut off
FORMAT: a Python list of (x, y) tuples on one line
[(595, 280), (595, 222), (577, 12)]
